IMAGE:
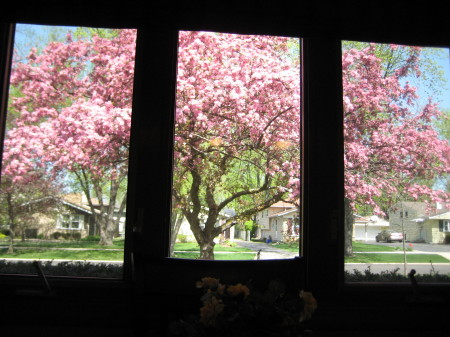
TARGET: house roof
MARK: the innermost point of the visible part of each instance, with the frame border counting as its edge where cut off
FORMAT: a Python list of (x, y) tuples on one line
[(282, 204), (421, 208), (360, 218), (441, 216), (371, 220), (67, 200), (284, 212), (78, 207)]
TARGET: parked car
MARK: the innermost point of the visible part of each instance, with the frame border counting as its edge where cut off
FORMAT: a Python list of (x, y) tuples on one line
[(389, 236)]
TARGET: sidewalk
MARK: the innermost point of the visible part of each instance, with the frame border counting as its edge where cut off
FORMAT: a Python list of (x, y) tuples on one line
[(267, 252)]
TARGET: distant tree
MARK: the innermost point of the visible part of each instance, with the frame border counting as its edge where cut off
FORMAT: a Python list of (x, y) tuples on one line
[(72, 116), (392, 147), (443, 124), (15, 207)]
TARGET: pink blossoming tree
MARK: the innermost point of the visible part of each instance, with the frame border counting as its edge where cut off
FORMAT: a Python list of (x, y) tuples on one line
[(237, 129), (391, 143), (73, 116)]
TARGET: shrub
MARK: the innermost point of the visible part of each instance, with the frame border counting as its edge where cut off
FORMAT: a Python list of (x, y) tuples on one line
[(447, 239), (91, 238), (72, 236), (5, 231), (392, 276), (57, 235), (2, 236), (182, 238), (67, 268), (229, 243)]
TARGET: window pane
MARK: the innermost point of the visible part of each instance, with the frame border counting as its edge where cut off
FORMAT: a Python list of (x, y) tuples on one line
[(397, 161), (65, 154), (237, 147)]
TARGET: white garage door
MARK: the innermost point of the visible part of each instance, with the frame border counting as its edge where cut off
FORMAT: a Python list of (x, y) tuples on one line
[(372, 231)]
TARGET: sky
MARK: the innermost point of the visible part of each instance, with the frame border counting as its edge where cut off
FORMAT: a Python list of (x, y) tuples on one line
[(445, 63)]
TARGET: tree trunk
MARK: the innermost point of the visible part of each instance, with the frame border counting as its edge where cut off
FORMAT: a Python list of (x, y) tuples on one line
[(207, 250), (11, 242), (107, 230), (349, 220), (12, 222), (106, 217)]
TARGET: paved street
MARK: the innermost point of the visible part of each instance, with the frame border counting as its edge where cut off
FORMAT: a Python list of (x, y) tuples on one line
[(269, 252), (420, 247)]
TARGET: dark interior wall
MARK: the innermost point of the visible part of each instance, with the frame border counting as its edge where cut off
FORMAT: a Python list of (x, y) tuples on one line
[(378, 20), (119, 307)]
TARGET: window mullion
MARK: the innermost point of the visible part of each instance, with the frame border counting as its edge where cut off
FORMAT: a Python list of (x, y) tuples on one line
[(323, 163)]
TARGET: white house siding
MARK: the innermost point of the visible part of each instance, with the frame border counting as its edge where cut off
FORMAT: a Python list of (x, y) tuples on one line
[(263, 221), (436, 236), (185, 229), (366, 228), (262, 218), (275, 230), (405, 216), (427, 231), (414, 231), (360, 232), (433, 233)]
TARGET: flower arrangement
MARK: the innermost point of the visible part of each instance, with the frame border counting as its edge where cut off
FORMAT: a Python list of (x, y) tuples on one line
[(237, 310)]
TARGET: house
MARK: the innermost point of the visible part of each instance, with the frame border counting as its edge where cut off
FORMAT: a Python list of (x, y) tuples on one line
[(279, 222), (365, 228), (421, 223), (185, 229), (68, 216)]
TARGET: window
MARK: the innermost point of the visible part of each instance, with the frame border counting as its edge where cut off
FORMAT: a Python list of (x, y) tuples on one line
[(396, 134), (66, 144), (444, 225), (71, 221), (237, 140)]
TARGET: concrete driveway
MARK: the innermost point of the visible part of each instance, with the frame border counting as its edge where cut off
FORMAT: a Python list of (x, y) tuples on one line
[(426, 247), (432, 248), (267, 252)]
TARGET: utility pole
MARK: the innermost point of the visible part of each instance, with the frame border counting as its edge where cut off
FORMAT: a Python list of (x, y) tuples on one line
[(403, 240)]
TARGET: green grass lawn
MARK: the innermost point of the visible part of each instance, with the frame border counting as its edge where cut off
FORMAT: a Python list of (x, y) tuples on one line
[(222, 256), (117, 244), (291, 246), (190, 250), (55, 249), (104, 254), (90, 250), (363, 256), (395, 258), (364, 247), (193, 247)]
